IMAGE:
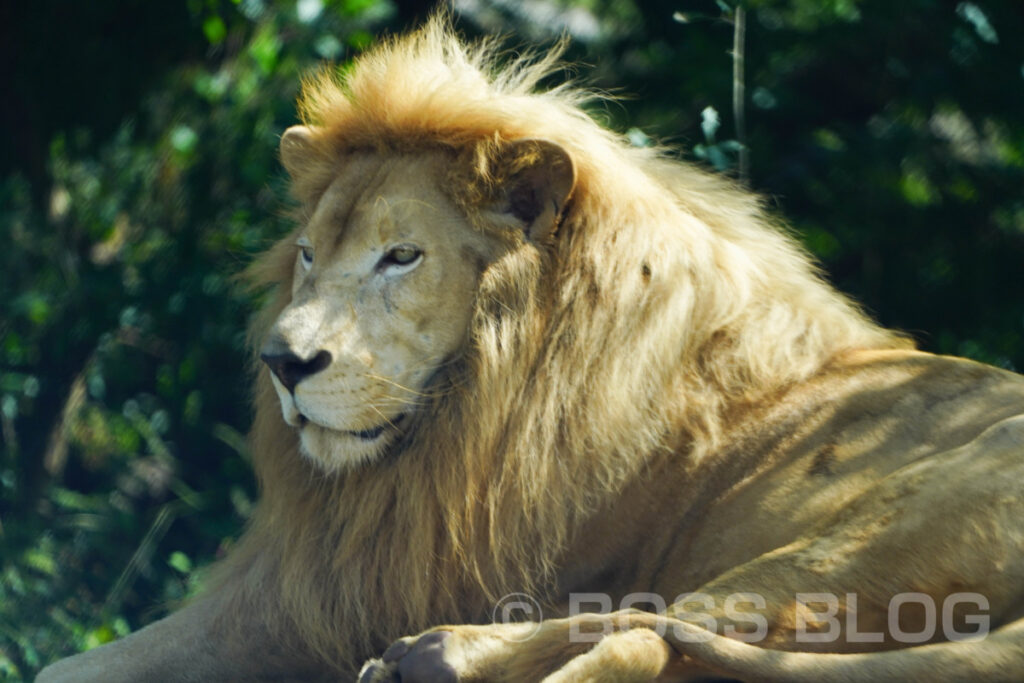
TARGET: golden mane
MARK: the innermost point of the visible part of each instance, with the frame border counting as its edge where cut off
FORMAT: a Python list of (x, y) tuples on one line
[(667, 299)]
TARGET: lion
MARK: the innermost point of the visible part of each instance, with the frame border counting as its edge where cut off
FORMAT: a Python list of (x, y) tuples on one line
[(511, 355)]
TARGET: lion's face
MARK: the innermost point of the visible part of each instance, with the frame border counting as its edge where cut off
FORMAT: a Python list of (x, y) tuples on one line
[(384, 278)]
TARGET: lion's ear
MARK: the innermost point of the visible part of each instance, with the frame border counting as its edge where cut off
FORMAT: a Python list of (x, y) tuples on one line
[(298, 150), (539, 177)]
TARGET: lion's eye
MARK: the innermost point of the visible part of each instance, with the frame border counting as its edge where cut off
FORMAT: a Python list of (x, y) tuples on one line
[(306, 254), (404, 255)]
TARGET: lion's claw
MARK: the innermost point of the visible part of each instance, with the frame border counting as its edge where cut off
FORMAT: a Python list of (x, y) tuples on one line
[(377, 671)]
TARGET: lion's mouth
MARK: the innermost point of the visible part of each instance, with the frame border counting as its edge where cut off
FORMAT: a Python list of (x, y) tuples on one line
[(370, 434), (375, 432)]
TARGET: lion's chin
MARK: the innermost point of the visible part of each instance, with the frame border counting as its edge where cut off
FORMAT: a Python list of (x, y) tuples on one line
[(333, 450)]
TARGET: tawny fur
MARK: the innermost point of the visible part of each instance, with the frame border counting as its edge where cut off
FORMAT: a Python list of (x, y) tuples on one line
[(667, 299)]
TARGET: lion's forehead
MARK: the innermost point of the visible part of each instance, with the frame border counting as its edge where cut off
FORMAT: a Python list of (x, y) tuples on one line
[(376, 198)]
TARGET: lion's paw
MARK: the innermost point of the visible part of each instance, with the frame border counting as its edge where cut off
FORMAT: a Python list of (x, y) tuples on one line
[(412, 660)]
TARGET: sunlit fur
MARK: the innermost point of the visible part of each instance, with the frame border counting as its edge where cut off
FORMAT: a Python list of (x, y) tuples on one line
[(665, 302)]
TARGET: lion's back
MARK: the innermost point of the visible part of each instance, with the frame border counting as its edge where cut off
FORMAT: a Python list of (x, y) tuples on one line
[(917, 436)]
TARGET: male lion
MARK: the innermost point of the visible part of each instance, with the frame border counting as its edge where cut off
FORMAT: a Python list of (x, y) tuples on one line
[(511, 354)]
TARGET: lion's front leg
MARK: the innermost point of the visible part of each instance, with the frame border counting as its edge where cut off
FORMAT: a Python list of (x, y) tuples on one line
[(622, 646), (493, 652), (213, 639)]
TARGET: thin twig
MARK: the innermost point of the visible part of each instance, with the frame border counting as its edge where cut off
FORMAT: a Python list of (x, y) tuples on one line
[(142, 555), (739, 89), (56, 454)]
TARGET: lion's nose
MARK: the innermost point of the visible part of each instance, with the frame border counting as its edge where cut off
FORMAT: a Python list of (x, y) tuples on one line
[(291, 369)]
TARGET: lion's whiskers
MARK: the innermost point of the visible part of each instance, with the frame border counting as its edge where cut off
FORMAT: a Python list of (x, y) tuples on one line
[(381, 378), (386, 418)]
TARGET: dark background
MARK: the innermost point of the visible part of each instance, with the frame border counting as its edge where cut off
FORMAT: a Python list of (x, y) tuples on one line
[(138, 173)]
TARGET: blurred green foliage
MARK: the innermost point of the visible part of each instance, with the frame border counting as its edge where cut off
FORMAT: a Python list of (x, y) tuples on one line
[(141, 175)]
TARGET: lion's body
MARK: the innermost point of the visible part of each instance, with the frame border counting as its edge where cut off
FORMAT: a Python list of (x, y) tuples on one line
[(647, 388), (867, 422)]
